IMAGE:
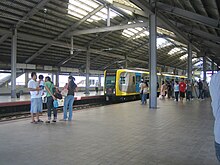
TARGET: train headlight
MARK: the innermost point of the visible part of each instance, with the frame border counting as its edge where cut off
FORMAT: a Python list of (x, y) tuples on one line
[(113, 91)]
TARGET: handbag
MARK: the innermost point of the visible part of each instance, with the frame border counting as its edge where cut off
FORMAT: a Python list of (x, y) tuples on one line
[(55, 104), (58, 95)]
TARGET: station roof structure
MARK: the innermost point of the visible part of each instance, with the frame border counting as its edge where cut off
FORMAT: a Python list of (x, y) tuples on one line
[(45, 28)]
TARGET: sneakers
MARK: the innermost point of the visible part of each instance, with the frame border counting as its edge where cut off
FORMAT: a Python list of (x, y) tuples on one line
[(54, 121), (48, 121), (34, 122)]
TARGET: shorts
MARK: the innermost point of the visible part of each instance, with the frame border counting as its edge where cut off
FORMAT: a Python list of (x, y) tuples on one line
[(182, 94), (36, 105)]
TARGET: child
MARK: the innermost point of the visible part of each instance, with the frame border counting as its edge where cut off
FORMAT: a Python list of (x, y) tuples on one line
[(41, 85)]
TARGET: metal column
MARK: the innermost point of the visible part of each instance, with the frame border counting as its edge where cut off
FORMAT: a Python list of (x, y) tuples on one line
[(189, 61), (87, 70), (71, 50), (100, 81), (213, 67), (26, 78), (13, 63), (204, 68), (126, 61), (108, 16), (153, 61), (57, 78)]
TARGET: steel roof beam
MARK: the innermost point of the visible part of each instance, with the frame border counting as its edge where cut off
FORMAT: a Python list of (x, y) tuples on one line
[(64, 61), (131, 9), (26, 18), (189, 15), (106, 3), (162, 19), (107, 29), (72, 27)]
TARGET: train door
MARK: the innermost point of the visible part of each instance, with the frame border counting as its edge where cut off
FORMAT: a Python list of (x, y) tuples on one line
[(138, 81)]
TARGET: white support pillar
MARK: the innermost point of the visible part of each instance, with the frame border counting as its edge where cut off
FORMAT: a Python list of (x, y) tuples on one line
[(87, 70), (108, 16), (153, 60), (13, 63), (204, 68), (189, 74)]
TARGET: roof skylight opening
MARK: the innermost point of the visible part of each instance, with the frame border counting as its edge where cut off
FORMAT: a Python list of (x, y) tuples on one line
[(176, 50), (161, 43), (135, 32), (81, 8), (183, 57)]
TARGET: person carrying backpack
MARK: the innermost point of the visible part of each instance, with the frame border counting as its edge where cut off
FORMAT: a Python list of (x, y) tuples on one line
[(69, 99)]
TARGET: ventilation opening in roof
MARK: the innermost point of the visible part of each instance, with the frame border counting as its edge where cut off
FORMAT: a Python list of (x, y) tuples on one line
[(80, 8)]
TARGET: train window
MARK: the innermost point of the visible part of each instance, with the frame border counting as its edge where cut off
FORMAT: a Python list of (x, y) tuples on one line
[(133, 80), (122, 80)]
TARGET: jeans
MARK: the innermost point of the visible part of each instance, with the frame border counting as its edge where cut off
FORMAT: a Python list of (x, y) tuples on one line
[(176, 96), (144, 98), (217, 151), (188, 95), (201, 93), (50, 108), (68, 104)]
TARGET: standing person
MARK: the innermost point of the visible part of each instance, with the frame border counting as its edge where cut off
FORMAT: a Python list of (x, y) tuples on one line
[(205, 89), (36, 101), (141, 89), (189, 90), (96, 87), (182, 87), (163, 90), (69, 99), (50, 98), (200, 86), (145, 91), (169, 90), (176, 90), (41, 92), (214, 89)]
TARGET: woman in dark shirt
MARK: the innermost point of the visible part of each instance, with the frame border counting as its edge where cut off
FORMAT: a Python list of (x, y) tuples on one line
[(69, 99)]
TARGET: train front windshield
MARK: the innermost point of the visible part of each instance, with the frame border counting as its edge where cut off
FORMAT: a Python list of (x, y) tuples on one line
[(110, 84)]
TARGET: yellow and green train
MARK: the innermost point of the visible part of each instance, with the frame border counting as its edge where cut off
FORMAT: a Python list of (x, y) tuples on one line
[(124, 83)]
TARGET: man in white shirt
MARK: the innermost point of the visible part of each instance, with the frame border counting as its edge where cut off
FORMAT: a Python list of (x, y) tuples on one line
[(36, 102), (215, 95)]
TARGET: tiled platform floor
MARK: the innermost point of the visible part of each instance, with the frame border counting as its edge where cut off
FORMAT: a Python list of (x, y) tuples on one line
[(120, 134)]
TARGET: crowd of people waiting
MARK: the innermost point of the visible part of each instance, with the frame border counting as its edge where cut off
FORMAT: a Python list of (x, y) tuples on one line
[(46, 90), (177, 90)]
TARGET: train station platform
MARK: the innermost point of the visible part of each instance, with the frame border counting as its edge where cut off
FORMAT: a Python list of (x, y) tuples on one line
[(25, 99), (119, 134)]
